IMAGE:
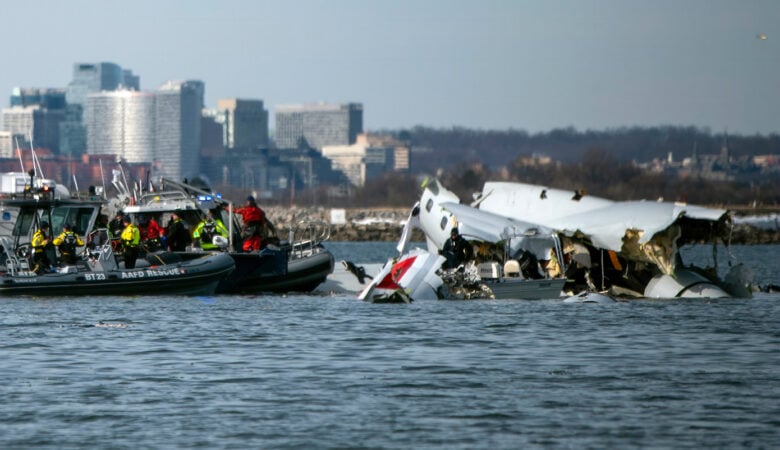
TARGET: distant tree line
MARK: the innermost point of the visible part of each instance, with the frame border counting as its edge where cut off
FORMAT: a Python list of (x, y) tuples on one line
[(600, 162), (497, 148), (601, 174)]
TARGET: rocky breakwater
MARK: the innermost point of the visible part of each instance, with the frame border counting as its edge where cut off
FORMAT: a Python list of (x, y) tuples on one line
[(347, 224), (386, 224), (756, 229)]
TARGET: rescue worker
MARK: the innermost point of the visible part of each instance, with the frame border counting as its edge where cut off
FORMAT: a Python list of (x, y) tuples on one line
[(116, 226), (151, 231), (457, 250), (176, 235), (253, 219), (550, 266), (67, 242), (206, 230), (40, 242), (130, 238)]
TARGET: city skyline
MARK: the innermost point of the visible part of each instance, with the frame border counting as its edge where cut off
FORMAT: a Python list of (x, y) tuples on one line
[(527, 65)]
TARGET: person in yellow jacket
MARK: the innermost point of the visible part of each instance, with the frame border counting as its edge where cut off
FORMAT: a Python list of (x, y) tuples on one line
[(130, 237), (206, 230), (67, 242), (40, 241)]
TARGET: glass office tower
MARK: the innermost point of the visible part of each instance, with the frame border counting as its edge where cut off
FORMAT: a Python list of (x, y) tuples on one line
[(121, 123), (177, 128)]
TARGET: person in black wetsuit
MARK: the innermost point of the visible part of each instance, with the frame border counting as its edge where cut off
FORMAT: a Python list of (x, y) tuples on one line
[(457, 250)]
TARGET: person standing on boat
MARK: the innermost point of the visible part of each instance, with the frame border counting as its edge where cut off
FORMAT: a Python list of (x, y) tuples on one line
[(206, 230), (130, 237), (457, 250), (177, 236), (66, 242), (151, 231), (40, 241), (116, 226), (253, 219)]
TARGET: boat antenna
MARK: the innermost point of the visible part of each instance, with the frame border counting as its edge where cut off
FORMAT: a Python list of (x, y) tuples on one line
[(76, 185), (71, 174), (19, 153), (102, 178), (36, 162), (148, 183), (124, 180), (116, 182)]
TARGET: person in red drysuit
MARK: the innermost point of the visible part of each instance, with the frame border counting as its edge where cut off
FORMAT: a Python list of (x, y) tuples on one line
[(253, 219), (151, 231)]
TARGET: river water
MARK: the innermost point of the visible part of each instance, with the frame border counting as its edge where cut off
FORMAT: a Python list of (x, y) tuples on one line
[(317, 371)]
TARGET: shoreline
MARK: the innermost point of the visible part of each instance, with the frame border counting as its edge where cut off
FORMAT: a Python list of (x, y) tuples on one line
[(386, 224)]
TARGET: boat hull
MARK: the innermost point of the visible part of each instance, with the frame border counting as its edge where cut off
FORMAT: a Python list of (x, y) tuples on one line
[(198, 276), (522, 289), (270, 271)]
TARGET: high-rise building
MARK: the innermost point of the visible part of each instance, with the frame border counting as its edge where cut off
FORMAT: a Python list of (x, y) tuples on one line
[(212, 128), (121, 123), (89, 78), (35, 114), (19, 122), (160, 127), (245, 123), (34, 126), (49, 98), (400, 151), (6, 145), (318, 124), (130, 81), (177, 128), (348, 159), (368, 158), (73, 133)]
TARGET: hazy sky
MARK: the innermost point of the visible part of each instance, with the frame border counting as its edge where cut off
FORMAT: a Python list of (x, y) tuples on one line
[(490, 64)]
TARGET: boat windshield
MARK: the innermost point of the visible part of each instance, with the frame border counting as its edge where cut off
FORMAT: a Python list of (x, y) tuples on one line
[(24, 222), (80, 217)]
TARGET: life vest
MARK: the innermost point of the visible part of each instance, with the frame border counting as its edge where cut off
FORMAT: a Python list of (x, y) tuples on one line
[(209, 228), (131, 236), (69, 242)]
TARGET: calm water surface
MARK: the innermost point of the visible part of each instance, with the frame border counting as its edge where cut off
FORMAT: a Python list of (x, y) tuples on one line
[(333, 372)]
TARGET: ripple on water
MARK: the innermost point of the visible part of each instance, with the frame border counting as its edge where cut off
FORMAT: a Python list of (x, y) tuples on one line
[(333, 372)]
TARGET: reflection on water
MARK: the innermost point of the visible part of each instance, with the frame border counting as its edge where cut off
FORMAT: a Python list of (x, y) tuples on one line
[(334, 372)]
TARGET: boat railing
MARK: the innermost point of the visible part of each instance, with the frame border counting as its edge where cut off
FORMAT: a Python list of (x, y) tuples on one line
[(163, 196), (100, 253), (15, 264), (306, 236)]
